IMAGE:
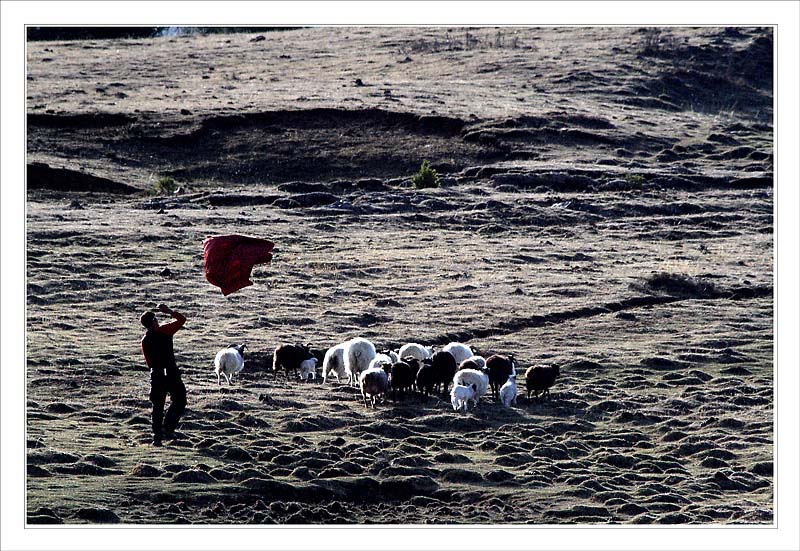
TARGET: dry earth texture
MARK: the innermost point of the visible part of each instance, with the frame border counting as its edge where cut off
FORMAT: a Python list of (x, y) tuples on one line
[(606, 205)]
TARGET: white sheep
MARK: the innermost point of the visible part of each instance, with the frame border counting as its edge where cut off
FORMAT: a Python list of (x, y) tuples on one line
[(358, 352), (308, 368), (380, 360), (374, 382), (333, 363), (228, 362), (461, 395), (459, 351), (469, 377), (508, 392), (415, 350)]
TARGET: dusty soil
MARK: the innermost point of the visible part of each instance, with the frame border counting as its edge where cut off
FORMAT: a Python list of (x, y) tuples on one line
[(606, 205)]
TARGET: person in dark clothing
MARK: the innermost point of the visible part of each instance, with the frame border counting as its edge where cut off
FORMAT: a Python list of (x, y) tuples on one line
[(165, 377)]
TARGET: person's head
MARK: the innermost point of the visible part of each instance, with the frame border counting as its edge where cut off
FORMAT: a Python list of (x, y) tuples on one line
[(149, 320)]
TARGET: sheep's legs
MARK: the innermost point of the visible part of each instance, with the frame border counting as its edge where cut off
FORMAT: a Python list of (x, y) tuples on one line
[(226, 377)]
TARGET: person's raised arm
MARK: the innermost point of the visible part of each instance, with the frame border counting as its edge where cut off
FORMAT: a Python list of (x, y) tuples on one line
[(171, 328)]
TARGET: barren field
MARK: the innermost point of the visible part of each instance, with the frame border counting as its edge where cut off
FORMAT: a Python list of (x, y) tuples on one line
[(606, 205)]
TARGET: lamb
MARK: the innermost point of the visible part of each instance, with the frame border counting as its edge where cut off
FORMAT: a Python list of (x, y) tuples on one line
[(468, 377), (401, 377), (333, 363), (416, 350), (508, 392), (308, 369), (500, 368), (380, 360), (229, 361), (539, 379), (290, 357), (459, 351), (373, 382), (444, 369), (358, 353), (461, 395)]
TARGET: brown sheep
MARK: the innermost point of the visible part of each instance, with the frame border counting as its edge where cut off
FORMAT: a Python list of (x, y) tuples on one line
[(539, 379), (374, 383)]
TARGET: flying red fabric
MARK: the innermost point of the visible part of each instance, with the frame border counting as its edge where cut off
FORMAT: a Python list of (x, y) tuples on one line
[(229, 259)]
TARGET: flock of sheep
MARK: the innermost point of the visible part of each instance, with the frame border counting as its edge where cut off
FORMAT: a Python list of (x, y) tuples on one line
[(411, 368)]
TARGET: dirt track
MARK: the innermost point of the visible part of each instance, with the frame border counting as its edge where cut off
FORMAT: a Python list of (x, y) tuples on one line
[(605, 206)]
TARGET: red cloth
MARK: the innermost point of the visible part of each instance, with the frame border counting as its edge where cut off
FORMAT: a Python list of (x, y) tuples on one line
[(230, 258)]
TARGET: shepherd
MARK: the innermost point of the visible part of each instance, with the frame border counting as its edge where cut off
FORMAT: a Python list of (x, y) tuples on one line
[(165, 377)]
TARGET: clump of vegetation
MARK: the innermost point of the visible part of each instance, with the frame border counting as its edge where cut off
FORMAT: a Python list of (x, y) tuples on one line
[(426, 177), (635, 179), (655, 43), (471, 41), (166, 185), (679, 285)]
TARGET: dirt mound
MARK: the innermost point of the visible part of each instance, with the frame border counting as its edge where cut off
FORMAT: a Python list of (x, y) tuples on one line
[(42, 176)]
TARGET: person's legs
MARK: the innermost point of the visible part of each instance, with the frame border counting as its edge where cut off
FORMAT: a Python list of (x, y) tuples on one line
[(177, 393), (158, 396)]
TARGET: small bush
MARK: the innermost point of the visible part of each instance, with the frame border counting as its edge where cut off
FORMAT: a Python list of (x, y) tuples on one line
[(654, 43), (634, 179), (166, 185), (679, 285), (426, 177)]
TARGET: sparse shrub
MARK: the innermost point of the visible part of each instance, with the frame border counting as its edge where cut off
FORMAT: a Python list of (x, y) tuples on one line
[(450, 42), (426, 177), (655, 43), (679, 285), (165, 185), (635, 179)]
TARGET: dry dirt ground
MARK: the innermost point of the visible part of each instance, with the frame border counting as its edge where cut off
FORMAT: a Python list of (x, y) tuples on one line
[(606, 205)]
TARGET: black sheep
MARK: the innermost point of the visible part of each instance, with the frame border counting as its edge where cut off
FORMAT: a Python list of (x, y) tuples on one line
[(426, 378), (500, 368), (289, 357), (444, 368), (539, 379), (401, 377), (415, 364)]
